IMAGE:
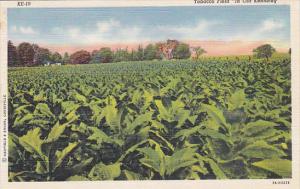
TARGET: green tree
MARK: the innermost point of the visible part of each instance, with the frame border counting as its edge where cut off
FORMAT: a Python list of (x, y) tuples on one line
[(56, 57), (134, 55), (140, 53), (66, 58), (151, 52), (199, 51), (95, 57), (182, 51), (121, 55), (264, 51), (106, 55), (26, 54), (12, 56), (42, 56)]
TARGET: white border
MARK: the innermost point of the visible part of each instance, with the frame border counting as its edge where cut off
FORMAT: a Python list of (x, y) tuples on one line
[(232, 184)]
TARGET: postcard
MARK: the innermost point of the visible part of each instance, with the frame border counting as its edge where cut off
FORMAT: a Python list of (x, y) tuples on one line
[(150, 94)]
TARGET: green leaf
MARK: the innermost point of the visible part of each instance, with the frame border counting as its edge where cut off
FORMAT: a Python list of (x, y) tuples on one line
[(154, 159), (22, 120), (236, 100), (180, 159), (141, 119), (216, 169), (215, 114), (112, 114), (61, 155), (98, 135), (68, 106), (32, 142), (160, 139), (55, 132), (43, 109), (13, 141), (253, 128), (280, 167), (187, 132), (78, 97), (105, 172), (261, 149), (40, 168), (80, 167), (132, 175)]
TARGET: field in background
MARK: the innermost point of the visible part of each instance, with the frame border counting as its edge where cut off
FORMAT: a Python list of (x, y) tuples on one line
[(214, 118)]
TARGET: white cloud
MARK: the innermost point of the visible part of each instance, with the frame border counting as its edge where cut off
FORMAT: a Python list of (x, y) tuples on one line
[(267, 30), (191, 31), (24, 30), (73, 32), (106, 26), (110, 31), (270, 25)]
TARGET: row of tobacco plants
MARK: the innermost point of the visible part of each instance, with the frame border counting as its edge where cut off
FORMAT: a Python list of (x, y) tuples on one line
[(151, 121)]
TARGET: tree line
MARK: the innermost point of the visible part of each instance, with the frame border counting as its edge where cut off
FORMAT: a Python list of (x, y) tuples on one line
[(27, 54)]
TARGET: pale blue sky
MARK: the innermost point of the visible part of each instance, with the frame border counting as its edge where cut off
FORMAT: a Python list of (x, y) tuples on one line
[(139, 24)]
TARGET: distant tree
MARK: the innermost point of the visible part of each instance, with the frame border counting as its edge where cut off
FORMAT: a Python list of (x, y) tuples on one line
[(264, 51), (12, 55), (140, 53), (182, 51), (151, 52), (121, 55), (106, 55), (95, 57), (41, 56), (290, 51), (199, 51), (56, 58), (66, 58), (80, 57), (167, 50), (134, 55), (26, 54)]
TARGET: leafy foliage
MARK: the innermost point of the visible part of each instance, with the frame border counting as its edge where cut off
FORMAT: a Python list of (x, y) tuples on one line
[(142, 121)]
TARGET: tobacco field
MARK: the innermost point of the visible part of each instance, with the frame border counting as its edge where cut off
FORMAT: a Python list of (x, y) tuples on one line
[(168, 120)]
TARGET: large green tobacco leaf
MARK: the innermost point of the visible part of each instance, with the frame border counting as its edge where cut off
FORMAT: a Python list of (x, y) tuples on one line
[(22, 120), (236, 100), (68, 106), (216, 169), (154, 159), (180, 159), (43, 108), (105, 172), (32, 142), (55, 132), (261, 149), (80, 167), (216, 114), (13, 141), (253, 128), (172, 111), (132, 175), (112, 114), (280, 167), (141, 119), (60, 155), (98, 135)]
